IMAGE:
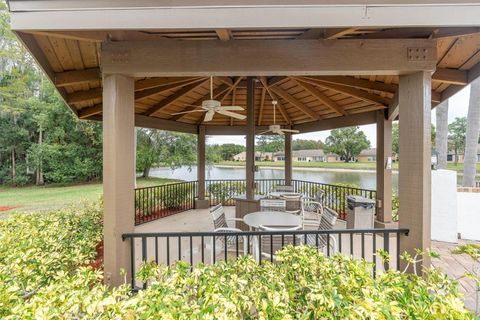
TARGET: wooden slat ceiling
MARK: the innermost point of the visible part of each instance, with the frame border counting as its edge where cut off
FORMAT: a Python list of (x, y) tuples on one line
[(74, 57)]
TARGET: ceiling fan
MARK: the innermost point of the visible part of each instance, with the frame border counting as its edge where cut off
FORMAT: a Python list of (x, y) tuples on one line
[(275, 128), (213, 106)]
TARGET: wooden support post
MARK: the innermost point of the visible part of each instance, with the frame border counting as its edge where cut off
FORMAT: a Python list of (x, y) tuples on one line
[(384, 174), (118, 178), (250, 165), (201, 202), (415, 161), (288, 159)]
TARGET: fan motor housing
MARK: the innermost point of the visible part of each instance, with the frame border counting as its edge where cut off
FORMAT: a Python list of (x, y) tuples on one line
[(211, 104)]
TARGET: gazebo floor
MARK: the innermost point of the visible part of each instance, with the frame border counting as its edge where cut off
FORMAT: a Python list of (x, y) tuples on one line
[(200, 220)]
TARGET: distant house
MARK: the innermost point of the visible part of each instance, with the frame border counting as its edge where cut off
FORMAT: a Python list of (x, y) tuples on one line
[(461, 156), (259, 156), (315, 155), (367, 155), (333, 157)]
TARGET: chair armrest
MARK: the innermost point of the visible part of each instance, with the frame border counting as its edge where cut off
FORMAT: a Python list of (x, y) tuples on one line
[(227, 229), (235, 219)]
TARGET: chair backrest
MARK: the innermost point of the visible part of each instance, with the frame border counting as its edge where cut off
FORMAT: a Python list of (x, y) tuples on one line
[(277, 242), (329, 218), (280, 188), (312, 213), (320, 195), (218, 215), (294, 203), (273, 205)]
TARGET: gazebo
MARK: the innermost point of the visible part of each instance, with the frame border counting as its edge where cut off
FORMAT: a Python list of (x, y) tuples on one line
[(329, 65)]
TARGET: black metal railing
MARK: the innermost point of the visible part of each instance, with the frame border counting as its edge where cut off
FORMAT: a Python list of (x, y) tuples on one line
[(156, 202), (152, 203), (210, 247)]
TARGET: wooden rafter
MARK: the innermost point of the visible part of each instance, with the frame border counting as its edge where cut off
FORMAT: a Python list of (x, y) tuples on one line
[(357, 83), (143, 94), (90, 111), (357, 93), (159, 82), (451, 76), (262, 103), (82, 96), (272, 95), (234, 97), (331, 34), (273, 81), (224, 34), (69, 78), (174, 97), (472, 74), (295, 102), (322, 97)]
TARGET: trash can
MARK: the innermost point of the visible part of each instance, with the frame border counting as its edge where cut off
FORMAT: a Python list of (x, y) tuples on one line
[(360, 212)]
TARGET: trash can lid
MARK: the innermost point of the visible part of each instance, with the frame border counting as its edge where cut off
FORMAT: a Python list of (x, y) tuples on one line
[(359, 200)]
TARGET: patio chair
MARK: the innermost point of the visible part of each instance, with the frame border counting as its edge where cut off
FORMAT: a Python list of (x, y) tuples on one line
[(327, 222), (318, 197), (283, 188), (312, 214), (294, 204), (220, 225), (270, 244), (273, 205)]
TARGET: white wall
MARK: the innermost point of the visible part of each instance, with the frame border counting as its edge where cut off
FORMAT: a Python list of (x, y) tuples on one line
[(444, 205), (469, 215)]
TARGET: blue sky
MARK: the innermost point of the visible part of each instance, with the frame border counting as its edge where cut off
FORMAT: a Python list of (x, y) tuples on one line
[(458, 107)]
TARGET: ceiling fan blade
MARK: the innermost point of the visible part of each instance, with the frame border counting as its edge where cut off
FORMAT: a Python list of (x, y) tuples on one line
[(231, 108), (263, 132), (280, 133), (232, 114), (292, 131), (190, 111), (209, 116)]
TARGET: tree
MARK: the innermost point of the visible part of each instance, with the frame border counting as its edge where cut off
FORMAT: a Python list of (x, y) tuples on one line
[(301, 144), (347, 142), (270, 143), (225, 152), (395, 137), (457, 132), (441, 140), (472, 135)]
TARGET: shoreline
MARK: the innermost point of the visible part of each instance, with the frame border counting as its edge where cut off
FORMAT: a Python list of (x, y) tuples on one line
[(305, 168)]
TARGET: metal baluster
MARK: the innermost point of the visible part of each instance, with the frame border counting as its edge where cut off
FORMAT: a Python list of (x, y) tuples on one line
[(179, 248), (363, 245), (351, 244), (156, 250), (271, 248), (191, 251), (386, 247), (203, 249), (132, 260), (144, 256), (168, 250), (398, 250), (374, 254)]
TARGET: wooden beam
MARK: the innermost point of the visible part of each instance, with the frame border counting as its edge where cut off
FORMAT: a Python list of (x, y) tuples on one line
[(250, 140), (295, 102), (393, 108), (90, 111), (159, 82), (262, 103), (451, 76), (143, 94), (69, 78), (226, 80), (335, 33), (234, 97), (272, 57), (163, 124), (174, 97), (472, 74), (356, 119), (357, 93), (276, 80), (86, 95), (224, 34), (357, 83), (281, 108), (322, 97)]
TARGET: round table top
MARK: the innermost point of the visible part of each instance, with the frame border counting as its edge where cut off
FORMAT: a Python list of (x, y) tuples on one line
[(271, 218), (279, 194)]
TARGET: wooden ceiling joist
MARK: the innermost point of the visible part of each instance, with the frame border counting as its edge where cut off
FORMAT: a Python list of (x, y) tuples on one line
[(281, 108), (82, 96), (357, 83), (224, 34), (331, 34), (322, 97), (159, 82), (74, 77), (174, 97), (143, 94), (262, 103), (295, 102), (90, 111), (451, 76)]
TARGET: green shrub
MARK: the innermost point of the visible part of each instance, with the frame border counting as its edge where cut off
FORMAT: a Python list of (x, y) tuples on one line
[(178, 196), (225, 190)]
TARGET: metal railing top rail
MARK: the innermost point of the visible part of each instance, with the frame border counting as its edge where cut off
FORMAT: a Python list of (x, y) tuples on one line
[(166, 184), (336, 185), (256, 233)]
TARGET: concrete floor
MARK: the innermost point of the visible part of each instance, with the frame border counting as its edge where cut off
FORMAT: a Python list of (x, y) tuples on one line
[(200, 220)]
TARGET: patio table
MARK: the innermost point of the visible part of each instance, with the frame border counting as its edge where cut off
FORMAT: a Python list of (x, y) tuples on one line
[(279, 194), (271, 218)]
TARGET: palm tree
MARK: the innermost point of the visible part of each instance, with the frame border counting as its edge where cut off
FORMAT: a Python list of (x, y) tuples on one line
[(473, 129), (442, 134)]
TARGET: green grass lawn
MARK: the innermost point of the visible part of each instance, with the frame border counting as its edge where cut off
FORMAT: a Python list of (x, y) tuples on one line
[(333, 165), (44, 198)]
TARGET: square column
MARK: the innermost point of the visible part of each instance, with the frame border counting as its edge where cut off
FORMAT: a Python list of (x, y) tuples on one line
[(415, 161), (288, 159), (250, 143), (118, 174), (201, 202), (384, 174)]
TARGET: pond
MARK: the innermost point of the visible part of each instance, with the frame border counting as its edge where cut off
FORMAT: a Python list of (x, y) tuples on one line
[(364, 179)]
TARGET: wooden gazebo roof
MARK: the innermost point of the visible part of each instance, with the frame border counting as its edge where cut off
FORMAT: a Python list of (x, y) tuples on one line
[(72, 61)]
